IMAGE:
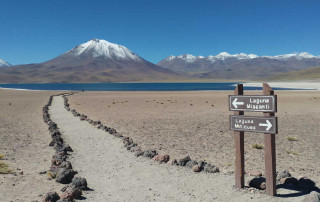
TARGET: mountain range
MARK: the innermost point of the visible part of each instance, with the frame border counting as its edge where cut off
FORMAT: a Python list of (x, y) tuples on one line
[(94, 61), (238, 66), (98, 61)]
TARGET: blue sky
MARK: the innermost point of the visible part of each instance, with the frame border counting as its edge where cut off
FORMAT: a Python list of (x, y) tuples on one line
[(36, 30)]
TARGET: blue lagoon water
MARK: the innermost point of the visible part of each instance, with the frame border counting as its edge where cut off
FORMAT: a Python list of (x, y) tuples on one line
[(131, 86)]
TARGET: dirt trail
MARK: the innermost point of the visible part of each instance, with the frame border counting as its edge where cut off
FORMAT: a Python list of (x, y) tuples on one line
[(116, 175)]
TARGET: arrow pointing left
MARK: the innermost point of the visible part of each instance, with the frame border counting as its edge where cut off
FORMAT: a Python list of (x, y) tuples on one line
[(235, 103)]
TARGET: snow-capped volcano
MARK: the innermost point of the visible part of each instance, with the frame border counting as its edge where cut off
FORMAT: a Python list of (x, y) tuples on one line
[(94, 61), (4, 64), (103, 48)]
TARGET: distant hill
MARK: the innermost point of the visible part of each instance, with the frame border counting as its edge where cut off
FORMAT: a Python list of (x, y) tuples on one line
[(305, 74), (93, 61), (238, 66)]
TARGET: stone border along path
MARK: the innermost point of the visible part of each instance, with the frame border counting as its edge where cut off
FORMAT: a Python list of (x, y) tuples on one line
[(61, 169)]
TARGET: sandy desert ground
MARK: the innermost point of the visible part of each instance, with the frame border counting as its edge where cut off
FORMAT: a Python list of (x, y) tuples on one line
[(197, 124), (24, 140), (175, 123)]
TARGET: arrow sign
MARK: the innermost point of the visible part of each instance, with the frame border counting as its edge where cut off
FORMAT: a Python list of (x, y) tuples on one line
[(254, 124), (235, 103), (268, 125), (253, 103)]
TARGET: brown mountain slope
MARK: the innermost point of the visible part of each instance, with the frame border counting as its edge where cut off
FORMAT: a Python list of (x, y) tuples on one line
[(305, 74)]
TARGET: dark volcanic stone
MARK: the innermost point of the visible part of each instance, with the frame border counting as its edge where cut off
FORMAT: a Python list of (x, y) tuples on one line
[(150, 153), (64, 176), (191, 163), (210, 168), (183, 161), (51, 197), (80, 183), (258, 183), (306, 184)]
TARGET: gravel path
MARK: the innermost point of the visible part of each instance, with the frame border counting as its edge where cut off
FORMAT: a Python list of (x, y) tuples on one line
[(116, 175)]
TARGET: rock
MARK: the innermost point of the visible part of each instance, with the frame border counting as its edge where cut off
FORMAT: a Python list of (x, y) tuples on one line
[(42, 172), (306, 184), (289, 180), (173, 162), (255, 173), (62, 147), (118, 135), (127, 141), (80, 183), (283, 174), (83, 117), (210, 168), (50, 197), (312, 197), (202, 164), (191, 163), (134, 148), (150, 153), (65, 164), (258, 183), (162, 158), (183, 161), (64, 176), (139, 153), (71, 193), (196, 168)]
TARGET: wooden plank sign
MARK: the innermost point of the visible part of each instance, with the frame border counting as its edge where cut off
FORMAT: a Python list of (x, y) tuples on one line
[(267, 124), (253, 103), (254, 124)]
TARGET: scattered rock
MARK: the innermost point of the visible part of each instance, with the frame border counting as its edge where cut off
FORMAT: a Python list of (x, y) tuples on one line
[(191, 163), (64, 176), (289, 180), (139, 153), (150, 153), (162, 158), (134, 149), (258, 183), (196, 168), (42, 172), (173, 162), (80, 183), (71, 193), (50, 197), (306, 184), (312, 197), (183, 161), (210, 168), (202, 164), (283, 174)]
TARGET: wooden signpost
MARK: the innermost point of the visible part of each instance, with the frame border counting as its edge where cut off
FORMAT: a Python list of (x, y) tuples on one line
[(266, 103)]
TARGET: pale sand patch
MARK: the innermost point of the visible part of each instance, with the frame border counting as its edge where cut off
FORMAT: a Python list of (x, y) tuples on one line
[(24, 139), (116, 175), (296, 85), (197, 124)]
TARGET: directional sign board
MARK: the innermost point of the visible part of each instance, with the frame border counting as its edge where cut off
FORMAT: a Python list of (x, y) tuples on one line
[(253, 103), (254, 124)]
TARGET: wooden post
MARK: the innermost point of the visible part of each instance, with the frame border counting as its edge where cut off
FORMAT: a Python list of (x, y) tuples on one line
[(270, 152), (239, 145)]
